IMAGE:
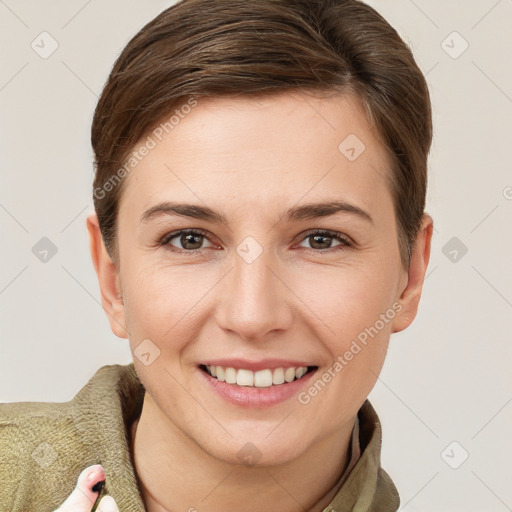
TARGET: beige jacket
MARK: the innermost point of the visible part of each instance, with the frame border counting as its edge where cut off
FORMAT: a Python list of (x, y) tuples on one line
[(45, 446)]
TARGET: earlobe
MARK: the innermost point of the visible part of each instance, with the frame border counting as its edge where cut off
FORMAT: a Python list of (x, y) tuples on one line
[(108, 278), (410, 295)]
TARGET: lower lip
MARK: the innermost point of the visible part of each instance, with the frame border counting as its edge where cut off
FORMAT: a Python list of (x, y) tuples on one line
[(246, 396)]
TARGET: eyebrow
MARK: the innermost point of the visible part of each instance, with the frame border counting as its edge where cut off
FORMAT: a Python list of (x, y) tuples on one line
[(297, 213)]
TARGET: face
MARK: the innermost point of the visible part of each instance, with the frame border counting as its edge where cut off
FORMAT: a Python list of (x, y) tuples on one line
[(255, 238)]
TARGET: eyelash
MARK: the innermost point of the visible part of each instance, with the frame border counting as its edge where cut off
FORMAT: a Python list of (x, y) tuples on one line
[(345, 241)]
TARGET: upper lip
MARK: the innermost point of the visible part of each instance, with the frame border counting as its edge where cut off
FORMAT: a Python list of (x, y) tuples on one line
[(254, 366)]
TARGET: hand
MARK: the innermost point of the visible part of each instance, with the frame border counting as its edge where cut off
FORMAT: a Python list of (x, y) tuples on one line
[(82, 499)]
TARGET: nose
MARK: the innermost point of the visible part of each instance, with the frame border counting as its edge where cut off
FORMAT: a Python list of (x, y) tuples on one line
[(255, 299)]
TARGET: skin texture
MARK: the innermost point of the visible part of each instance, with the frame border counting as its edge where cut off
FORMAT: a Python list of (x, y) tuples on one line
[(251, 160)]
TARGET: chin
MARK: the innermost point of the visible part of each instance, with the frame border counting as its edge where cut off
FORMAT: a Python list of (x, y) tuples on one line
[(258, 450)]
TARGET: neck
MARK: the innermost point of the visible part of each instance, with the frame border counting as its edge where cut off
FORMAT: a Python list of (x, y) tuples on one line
[(174, 473)]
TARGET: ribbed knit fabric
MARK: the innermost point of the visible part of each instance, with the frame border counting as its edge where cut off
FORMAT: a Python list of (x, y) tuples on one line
[(45, 446)]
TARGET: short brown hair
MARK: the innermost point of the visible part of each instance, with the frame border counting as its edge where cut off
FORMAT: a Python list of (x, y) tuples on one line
[(234, 47)]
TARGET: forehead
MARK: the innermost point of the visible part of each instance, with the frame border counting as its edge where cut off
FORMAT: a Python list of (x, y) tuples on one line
[(267, 149)]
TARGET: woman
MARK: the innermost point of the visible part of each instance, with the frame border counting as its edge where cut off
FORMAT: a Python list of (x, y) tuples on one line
[(259, 234)]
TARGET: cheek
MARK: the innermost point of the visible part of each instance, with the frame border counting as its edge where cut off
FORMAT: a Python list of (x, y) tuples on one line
[(348, 300), (163, 302), (358, 308)]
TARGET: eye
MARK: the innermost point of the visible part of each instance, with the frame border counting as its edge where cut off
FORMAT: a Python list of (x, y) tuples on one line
[(321, 240), (189, 239)]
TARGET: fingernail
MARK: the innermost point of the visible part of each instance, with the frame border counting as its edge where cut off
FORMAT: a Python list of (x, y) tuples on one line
[(92, 476)]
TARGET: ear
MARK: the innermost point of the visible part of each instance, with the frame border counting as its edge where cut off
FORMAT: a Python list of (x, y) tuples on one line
[(410, 296), (108, 277)]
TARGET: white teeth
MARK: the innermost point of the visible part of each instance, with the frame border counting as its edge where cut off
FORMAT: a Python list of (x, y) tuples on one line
[(278, 376), (289, 374), (263, 379), (244, 378), (299, 372), (260, 379), (230, 376)]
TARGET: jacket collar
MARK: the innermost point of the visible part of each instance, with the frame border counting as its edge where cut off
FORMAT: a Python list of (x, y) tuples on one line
[(105, 408)]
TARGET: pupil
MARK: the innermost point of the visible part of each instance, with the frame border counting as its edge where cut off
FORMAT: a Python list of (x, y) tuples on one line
[(189, 238), (316, 238)]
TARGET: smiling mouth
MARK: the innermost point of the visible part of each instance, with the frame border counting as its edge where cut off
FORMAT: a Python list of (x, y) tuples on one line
[(260, 379)]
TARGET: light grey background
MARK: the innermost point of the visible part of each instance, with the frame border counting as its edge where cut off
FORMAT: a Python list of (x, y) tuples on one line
[(447, 378)]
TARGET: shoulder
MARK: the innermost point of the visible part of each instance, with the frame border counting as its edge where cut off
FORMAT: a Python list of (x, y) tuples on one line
[(45, 445), (34, 440)]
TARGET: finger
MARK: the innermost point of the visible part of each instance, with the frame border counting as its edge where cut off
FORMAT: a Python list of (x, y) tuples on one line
[(83, 497), (108, 504)]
